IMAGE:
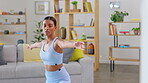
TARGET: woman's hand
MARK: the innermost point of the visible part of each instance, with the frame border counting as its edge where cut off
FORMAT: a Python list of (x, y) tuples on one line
[(35, 45), (79, 45), (29, 47)]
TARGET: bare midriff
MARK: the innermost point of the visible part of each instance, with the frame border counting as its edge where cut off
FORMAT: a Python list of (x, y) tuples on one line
[(53, 67)]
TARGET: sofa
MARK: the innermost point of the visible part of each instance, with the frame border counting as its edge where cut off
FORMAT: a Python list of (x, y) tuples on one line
[(17, 71)]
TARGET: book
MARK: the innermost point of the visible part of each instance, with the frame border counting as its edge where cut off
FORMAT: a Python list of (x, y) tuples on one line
[(79, 25), (91, 22), (113, 29), (90, 37), (57, 9), (85, 10), (74, 34), (88, 6), (0, 12), (124, 32)]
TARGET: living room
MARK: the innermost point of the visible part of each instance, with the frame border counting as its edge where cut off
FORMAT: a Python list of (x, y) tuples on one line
[(104, 71)]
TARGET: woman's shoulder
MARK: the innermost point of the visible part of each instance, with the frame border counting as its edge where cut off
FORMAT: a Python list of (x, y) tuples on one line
[(43, 41), (59, 40)]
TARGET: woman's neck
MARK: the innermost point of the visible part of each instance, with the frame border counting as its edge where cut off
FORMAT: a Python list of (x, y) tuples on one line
[(49, 39)]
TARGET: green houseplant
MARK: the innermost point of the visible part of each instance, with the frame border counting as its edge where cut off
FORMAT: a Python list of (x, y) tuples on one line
[(39, 35), (74, 4), (118, 16), (136, 30)]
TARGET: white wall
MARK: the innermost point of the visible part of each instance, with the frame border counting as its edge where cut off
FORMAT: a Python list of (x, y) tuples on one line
[(144, 40), (131, 6), (32, 17)]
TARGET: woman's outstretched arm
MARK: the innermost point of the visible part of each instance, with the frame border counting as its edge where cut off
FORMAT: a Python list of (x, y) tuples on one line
[(70, 44), (36, 45)]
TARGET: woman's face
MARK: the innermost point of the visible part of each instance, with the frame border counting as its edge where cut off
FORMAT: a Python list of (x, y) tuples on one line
[(48, 27)]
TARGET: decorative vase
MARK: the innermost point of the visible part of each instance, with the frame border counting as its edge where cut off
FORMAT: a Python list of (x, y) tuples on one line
[(11, 12), (4, 13), (90, 48), (20, 41), (136, 32), (6, 20), (18, 21), (74, 6), (83, 37), (20, 12), (6, 32), (63, 32)]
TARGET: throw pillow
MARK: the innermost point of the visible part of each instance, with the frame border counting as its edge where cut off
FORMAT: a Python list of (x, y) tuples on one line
[(76, 55), (67, 53), (31, 55), (2, 61)]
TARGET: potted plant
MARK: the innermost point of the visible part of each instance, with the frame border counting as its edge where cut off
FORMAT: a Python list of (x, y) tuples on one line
[(118, 16), (136, 30), (39, 35), (74, 4)]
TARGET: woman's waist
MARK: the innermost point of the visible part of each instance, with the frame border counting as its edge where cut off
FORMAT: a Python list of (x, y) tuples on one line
[(53, 67), (52, 62)]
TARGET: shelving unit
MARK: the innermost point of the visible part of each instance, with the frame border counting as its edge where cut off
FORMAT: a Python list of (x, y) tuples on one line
[(71, 27), (16, 25), (116, 46)]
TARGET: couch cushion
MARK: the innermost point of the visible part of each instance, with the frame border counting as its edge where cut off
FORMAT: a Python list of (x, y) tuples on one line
[(7, 71), (67, 53), (20, 53), (73, 68), (77, 54), (31, 55), (30, 69), (2, 60), (9, 52)]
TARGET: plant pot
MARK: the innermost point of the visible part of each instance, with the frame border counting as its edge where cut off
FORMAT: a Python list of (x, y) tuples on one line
[(136, 32), (120, 19), (74, 6)]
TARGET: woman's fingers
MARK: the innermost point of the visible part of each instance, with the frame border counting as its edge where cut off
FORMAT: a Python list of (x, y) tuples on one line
[(29, 48)]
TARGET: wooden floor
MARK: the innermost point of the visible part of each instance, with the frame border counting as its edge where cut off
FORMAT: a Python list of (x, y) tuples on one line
[(121, 74)]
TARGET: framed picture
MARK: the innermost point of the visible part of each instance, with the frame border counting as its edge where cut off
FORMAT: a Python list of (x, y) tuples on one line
[(42, 7)]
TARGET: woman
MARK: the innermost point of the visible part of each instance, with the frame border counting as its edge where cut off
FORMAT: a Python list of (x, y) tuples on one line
[(52, 52)]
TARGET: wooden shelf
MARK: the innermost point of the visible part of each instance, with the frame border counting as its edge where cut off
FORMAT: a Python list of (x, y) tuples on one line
[(124, 48), (11, 33), (113, 31), (76, 13), (124, 35), (89, 54), (14, 14), (84, 40), (22, 25), (123, 59), (81, 12), (71, 21), (81, 26), (127, 22), (14, 24)]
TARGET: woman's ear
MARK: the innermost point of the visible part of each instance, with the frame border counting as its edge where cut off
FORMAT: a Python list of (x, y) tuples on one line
[(55, 27)]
